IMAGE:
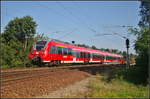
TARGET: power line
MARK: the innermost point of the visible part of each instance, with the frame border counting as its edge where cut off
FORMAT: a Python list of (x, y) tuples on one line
[(67, 34), (64, 15), (77, 18), (56, 12)]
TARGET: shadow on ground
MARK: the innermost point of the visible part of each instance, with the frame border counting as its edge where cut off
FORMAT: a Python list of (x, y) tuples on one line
[(99, 69)]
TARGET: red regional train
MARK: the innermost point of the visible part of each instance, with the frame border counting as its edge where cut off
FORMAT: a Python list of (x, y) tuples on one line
[(56, 52)]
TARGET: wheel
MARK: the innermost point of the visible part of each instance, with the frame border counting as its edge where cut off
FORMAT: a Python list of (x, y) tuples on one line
[(50, 64), (39, 61)]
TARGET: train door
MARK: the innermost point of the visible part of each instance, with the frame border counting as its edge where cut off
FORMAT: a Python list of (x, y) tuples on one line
[(74, 55), (104, 59)]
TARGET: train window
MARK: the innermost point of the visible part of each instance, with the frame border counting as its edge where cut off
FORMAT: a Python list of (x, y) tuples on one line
[(69, 51), (93, 56), (53, 50), (98, 56), (101, 56), (40, 45), (78, 54), (81, 54), (59, 50), (75, 53), (56, 50), (65, 51), (106, 57), (88, 55), (84, 55)]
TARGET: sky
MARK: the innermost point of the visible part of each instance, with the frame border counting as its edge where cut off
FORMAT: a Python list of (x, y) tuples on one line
[(84, 22)]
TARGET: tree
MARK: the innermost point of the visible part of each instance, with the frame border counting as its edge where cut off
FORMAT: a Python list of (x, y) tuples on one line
[(143, 40), (16, 41), (145, 13), (93, 47), (20, 29), (83, 45)]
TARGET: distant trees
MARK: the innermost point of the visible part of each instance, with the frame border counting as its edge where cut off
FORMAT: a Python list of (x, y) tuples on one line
[(93, 47), (83, 45)]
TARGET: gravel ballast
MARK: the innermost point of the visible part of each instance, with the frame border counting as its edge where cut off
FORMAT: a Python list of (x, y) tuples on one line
[(42, 85), (75, 90)]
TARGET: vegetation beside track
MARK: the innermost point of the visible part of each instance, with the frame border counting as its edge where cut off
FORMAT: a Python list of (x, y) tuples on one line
[(118, 87)]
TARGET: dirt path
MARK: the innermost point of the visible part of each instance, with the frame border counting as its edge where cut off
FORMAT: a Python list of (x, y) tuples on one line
[(76, 90)]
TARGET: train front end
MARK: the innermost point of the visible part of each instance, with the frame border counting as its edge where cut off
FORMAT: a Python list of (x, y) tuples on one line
[(38, 52)]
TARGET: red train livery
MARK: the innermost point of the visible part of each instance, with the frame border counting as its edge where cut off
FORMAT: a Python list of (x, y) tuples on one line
[(56, 52)]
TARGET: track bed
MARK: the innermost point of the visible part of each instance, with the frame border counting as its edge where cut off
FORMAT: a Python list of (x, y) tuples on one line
[(40, 81)]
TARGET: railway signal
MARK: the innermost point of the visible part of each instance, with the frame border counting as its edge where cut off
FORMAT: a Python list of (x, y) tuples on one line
[(127, 42), (127, 45)]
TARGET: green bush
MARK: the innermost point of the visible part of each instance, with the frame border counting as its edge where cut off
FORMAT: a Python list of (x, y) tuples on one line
[(117, 88)]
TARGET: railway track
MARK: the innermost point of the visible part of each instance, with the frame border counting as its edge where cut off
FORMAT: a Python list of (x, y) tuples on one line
[(5, 82), (16, 73), (8, 78)]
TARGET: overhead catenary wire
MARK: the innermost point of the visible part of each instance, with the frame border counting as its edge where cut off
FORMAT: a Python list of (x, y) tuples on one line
[(57, 13), (77, 18), (67, 34)]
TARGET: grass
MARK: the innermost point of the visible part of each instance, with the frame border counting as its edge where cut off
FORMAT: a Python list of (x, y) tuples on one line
[(116, 88)]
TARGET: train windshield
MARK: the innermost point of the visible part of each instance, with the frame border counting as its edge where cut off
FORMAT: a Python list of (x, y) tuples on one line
[(40, 45)]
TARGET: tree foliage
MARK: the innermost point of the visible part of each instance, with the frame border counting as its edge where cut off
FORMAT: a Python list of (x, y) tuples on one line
[(16, 42), (143, 40), (145, 13)]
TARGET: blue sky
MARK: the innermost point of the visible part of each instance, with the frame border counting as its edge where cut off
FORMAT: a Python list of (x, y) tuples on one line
[(80, 21)]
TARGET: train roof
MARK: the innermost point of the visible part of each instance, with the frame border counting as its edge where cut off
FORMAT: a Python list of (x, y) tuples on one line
[(77, 48)]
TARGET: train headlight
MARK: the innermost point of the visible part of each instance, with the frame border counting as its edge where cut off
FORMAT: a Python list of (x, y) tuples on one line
[(37, 52)]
